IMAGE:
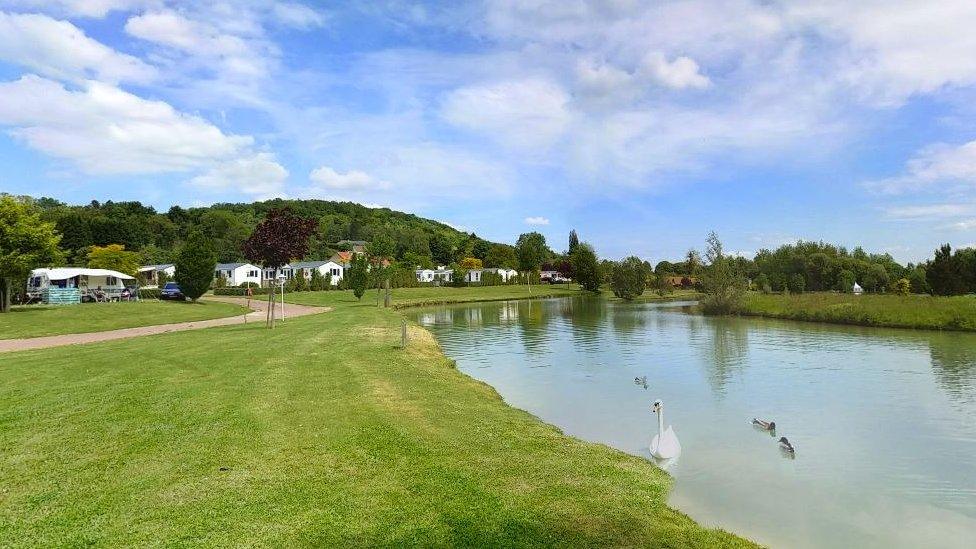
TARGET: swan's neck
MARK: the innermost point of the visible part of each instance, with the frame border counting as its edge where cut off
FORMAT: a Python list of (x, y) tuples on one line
[(660, 422)]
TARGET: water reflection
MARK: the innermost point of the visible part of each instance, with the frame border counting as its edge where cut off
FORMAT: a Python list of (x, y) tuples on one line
[(884, 421)]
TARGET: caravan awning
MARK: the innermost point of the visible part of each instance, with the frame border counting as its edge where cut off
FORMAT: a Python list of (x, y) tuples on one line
[(65, 273)]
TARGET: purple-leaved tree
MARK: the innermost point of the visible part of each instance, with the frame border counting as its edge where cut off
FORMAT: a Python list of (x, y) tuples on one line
[(282, 237)]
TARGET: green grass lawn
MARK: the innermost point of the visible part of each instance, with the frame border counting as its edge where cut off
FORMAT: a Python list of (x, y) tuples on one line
[(44, 320), (439, 295), (913, 311), (318, 433)]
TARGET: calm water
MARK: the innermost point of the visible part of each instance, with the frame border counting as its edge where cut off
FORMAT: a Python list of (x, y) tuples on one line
[(884, 421)]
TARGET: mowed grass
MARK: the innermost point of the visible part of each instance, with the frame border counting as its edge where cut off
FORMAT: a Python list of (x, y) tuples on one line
[(439, 295), (45, 320), (912, 311), (318, 433)]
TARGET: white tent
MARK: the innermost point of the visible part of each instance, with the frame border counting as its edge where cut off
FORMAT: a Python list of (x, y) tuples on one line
[(74, 277), (858, 290)]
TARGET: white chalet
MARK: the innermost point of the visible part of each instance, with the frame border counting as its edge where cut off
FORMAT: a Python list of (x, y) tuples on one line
[(238, 273)]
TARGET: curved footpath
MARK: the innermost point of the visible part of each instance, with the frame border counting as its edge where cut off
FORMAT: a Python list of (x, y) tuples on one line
[(258, 313)]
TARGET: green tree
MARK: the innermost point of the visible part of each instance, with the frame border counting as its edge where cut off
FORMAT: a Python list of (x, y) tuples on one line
[(573, 242), (114, 257), (917, 281), (763, 284), (798, 284), (629, 278), (26, 242), (586, 267), (723, 286), (357, 275), (845, 281), (943, 273), (441, 249), (532, 251), (501, 255), (318, 281), (458, 277), (195, 265), (662, 285)]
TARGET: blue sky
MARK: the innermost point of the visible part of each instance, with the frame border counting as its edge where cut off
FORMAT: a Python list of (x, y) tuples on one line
[(641, 124)]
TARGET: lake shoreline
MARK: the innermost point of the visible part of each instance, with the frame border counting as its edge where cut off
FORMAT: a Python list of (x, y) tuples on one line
[(945, 314)]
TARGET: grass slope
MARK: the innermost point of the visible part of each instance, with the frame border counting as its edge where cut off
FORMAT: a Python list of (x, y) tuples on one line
[(913, 311), (434, 295), (318, 433), (43, 320)]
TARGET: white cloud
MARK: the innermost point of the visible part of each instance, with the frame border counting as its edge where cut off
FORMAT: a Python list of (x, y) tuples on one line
[(928, 211), (943, 166), (538, 220), (61, 50), (526, 113), (225, 52), (297, 16), (965, 225), (259, 175), (105, 130), (679, 74), (325, 177), (79, 8)]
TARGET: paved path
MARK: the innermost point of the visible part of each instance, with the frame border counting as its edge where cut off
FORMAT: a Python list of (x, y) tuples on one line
[(260, 307)]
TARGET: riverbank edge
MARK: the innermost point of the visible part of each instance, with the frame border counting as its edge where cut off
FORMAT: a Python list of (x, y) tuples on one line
[(432, 340)]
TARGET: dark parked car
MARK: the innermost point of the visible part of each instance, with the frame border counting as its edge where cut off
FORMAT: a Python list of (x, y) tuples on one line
[(171, 290)]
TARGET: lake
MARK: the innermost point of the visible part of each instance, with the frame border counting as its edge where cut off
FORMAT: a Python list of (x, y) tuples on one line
[(883, 421)]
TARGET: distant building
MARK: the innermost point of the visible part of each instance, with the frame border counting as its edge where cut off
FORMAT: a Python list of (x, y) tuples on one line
[(150, 273), (358, 246), (506, 274), (330, 268), (435, 276), (238, 273), (857, 289)]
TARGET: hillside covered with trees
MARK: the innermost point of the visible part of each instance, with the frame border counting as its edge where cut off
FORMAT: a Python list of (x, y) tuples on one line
[(157, 236)]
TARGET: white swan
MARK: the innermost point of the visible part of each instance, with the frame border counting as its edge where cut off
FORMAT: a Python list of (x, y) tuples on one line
[(665, 443)]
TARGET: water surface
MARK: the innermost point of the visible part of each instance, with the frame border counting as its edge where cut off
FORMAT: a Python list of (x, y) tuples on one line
[(884, 421)]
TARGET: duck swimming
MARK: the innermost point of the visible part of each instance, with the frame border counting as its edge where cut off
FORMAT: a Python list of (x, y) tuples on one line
[(786, 447), (642, 381), (764, 425)]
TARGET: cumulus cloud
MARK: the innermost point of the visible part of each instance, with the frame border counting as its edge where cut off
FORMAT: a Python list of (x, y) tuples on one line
[(59, 49), (327, 178), (106, 130), (538, 220), (259, 175), (683, 72)]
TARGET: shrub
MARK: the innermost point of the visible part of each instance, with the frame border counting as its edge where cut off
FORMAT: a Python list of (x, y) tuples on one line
[(148, 293), (629, 278), (903, 286), (797, 283)]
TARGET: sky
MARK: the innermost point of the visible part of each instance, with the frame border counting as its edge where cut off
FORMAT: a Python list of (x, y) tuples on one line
[(643, 125)]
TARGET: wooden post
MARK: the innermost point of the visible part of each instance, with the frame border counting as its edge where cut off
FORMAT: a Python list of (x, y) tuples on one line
[(387, 300)]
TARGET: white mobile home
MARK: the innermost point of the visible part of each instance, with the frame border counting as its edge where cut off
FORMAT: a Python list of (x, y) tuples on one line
[(473, 275), (150, 273), (440, 274), (330, 268), (506, 274), (238, 273)]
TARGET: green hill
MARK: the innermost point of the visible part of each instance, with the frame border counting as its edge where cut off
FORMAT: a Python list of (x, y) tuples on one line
[(157, 235)]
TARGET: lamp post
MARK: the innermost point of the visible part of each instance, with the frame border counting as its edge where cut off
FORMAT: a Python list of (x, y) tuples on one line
[(281, 280)]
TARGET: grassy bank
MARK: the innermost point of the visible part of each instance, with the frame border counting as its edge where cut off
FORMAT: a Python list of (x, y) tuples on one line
[(443, 295), (913, 311), (45, 320), (318, 433)]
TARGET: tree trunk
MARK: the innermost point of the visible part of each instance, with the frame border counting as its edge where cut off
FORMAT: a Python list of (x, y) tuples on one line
[(270, 314), (5, 290), (388, 298)]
